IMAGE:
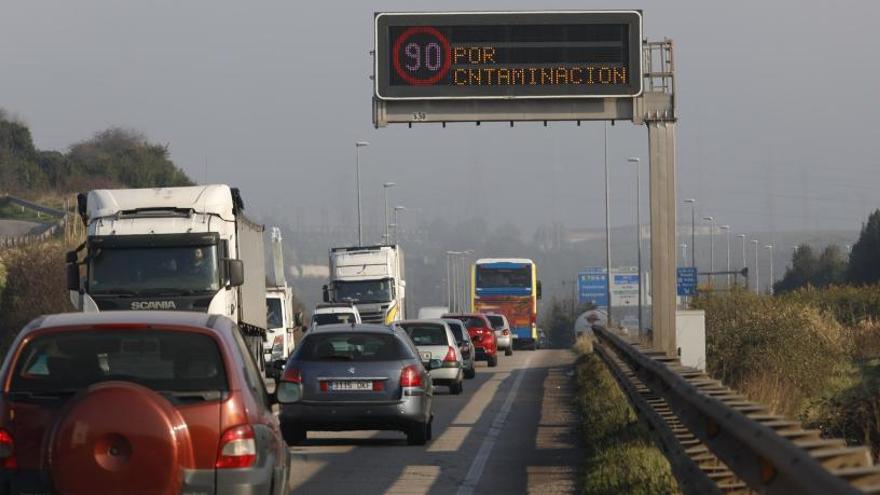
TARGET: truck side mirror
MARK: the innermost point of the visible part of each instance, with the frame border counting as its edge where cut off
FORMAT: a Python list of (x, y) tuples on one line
[(326, 293), (539, 289), (235, 272), (72, 275), (298, 319)]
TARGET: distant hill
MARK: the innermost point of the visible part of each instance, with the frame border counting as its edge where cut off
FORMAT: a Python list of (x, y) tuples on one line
[(115, 157)]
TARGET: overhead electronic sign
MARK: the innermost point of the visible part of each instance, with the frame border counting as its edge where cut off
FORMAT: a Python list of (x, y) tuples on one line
[(506, 55)]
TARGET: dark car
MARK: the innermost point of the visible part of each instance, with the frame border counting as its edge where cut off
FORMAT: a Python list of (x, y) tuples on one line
[(356, 377), (482, 335), (463, 339), (137, 402)]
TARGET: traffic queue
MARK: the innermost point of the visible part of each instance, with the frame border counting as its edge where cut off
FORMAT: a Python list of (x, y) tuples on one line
[(179, 373)]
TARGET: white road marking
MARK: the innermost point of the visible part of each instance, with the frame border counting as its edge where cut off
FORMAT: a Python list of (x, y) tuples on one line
[(472, 479)]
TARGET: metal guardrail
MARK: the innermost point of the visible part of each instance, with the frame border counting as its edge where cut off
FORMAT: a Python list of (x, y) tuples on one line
[(45, 231), (30, 205), (717, 441)]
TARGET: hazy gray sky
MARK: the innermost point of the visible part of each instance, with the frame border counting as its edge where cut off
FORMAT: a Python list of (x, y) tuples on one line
[(777, 105)]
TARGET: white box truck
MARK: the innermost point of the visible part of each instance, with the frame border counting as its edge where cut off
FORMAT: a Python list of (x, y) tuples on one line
[(281, 320), (174, 248), (371, 277)]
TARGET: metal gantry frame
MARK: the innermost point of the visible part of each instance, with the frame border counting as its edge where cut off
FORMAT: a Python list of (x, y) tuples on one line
[(654, 108)]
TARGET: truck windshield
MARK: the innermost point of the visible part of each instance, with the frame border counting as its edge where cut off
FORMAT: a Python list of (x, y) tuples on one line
[(497, 278), (364, 291), (143, 270), (274, 315)]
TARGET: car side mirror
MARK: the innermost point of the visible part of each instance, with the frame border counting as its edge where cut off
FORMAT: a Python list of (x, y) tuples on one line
[(434, 364), (538, 286), (72, 275), (326, 293), (277, 367), (235, 272)]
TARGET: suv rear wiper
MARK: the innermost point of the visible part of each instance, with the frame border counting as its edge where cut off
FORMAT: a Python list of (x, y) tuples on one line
[(192, 395), (41, 394)]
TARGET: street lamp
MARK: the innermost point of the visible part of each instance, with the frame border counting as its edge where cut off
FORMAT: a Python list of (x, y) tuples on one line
[(635, 160), (757, 269), (357, 175), (742, 238), (397, 209), (770, 285), (712, 227), (726, 228), (693, 202), (385, 187)]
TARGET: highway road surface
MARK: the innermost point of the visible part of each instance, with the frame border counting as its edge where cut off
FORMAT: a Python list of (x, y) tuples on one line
[(513, 430)]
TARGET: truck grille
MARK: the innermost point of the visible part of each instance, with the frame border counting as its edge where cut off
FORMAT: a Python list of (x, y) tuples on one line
[(373, 317)]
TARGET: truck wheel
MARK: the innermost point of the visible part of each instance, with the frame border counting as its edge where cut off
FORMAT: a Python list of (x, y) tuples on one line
[(493, 361), (418, 433), (293, 434), (470, 373), (509, 350)]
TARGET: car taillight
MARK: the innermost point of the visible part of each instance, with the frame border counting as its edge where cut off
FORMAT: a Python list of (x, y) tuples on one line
[(505, 332), (7, 451), (238, 448), (450, 355), (292, 375), (411, 376)]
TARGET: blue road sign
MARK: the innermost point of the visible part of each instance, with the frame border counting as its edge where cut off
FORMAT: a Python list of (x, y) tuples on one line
[(687, 281), (593, 287)]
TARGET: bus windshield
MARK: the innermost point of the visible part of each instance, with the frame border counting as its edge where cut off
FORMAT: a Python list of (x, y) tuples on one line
[(498, 278), (143, 270)]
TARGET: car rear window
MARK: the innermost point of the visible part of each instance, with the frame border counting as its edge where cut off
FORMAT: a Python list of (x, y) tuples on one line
[(457, 330), (165, 361), (471, 321), (352, 347), (333, 318), (496, 321), (426, 334)]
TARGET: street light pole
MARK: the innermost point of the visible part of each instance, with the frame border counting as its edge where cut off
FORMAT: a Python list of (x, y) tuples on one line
[(388, 185), (397, 209), (635, 160), (357, 175), (607, 228), (742, 238), (770, 285), (726, 228), (712, 226), (693, 202), (757, 269)]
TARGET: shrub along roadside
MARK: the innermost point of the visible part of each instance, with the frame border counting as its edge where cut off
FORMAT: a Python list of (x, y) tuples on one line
[(620, 455)]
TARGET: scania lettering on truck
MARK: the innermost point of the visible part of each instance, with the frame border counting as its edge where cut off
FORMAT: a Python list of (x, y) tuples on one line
[(372, 278), (174, 248)]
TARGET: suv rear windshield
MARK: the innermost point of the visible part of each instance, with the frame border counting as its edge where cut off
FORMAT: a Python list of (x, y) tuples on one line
[(497, 321), (426, 333), (351, 346), (165, 361)]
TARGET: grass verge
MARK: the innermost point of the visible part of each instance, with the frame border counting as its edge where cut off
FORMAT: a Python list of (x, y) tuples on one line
[(620, 454)]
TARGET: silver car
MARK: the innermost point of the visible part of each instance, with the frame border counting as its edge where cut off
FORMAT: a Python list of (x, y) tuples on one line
[(502, 333), (465, 345), (435, 341), (356, 377)]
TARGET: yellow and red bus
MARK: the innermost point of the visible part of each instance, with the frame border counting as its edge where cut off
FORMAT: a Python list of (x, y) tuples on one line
[(509, 286)]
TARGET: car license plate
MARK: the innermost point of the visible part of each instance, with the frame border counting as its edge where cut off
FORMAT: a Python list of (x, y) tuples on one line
[(351, 385)]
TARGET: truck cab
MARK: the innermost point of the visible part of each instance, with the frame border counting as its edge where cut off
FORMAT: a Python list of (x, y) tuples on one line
[(370, 277)]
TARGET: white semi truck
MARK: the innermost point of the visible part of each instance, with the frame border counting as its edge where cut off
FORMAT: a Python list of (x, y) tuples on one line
[(281, 320), (371, 277), (174, 248)]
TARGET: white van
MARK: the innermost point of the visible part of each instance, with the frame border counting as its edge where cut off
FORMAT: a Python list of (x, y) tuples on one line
[(335, 313)]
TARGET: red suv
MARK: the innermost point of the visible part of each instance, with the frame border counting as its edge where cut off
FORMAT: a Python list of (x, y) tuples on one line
[(137, 402), (482, 334)]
